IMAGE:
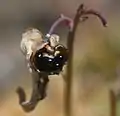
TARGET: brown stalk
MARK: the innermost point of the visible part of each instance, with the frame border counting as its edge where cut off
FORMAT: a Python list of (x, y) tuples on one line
[(112, 103), (80, 14)]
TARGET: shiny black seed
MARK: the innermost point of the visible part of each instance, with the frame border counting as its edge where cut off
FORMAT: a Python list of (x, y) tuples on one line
[(48, 64)]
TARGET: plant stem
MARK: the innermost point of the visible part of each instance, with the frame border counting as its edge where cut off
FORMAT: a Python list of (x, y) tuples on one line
[(70, 44), (80, 14), (61, 19), (113, 103)]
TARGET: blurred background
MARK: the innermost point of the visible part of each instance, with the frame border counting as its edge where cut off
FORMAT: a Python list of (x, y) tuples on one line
[(96, 56)]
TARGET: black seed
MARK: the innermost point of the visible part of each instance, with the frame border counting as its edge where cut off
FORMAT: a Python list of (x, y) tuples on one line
[(47, 64)]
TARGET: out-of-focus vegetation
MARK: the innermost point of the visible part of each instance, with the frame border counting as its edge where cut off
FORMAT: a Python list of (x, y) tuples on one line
[(96, 57)]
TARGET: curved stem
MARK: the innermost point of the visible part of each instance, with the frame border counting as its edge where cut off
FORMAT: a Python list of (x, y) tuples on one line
[(92, 12), (62, 18), (40, 82), (70, 43)]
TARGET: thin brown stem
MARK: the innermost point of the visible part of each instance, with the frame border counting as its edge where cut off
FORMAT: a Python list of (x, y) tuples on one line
[(70, 43), (92, 12), (81, 12), (113, 103)]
